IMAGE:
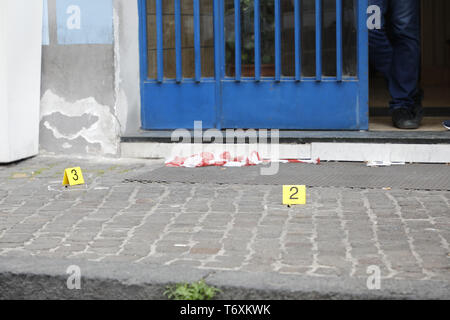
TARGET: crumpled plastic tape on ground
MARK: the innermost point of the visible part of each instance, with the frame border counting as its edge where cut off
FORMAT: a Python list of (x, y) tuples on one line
[(208, 159)]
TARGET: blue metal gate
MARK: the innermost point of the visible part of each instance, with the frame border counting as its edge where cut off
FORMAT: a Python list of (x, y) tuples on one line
[(286, 64)]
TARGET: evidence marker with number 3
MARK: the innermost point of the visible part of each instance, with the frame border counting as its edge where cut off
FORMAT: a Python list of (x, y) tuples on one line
[(293, 195), (73, 177)]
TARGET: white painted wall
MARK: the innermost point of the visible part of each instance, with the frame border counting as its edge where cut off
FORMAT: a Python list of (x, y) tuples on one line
[(4, 136), (20, 75), (126, 53)]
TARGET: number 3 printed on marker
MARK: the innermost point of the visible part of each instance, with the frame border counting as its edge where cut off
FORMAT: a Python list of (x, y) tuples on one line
[(75, 175)]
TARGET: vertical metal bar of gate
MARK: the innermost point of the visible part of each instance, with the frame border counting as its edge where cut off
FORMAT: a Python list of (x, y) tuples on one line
[(159, 40), (217, 40), (237, 31), (178, 50), (219, 57), (339, 40), (143, 40), (277, 40), (362, 62), (257, 40), (319, 40), (298, 48), (197, 41)]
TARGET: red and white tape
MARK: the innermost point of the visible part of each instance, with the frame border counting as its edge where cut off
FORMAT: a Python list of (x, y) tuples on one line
[(208, 159)]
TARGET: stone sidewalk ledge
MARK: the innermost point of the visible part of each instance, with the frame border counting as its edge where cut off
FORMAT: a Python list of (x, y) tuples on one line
[(43, 278)]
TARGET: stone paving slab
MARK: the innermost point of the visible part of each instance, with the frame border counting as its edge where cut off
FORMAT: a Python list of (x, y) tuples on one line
[(221, 228)]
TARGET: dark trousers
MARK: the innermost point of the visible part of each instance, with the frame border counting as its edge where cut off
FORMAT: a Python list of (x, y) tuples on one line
[(395, 49)]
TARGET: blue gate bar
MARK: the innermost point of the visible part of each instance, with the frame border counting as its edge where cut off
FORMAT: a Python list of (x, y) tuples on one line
[(178, 40), (217, 41), (319, 40), (277, 40), (159, 40), (298, 46), (197, 45), (257, 40), (339, 40), (363, 63), (219, 58), (237, 33)]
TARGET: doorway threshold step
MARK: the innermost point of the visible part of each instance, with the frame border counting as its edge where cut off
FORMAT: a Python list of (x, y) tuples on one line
[(303, 137), (408, 147)]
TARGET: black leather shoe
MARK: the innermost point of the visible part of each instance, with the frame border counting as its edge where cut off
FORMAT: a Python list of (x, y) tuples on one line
[(447, 124), (403, 118)]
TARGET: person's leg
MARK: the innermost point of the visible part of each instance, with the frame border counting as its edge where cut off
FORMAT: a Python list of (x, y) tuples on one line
[(405, 67), (380, 47), (395, 52)]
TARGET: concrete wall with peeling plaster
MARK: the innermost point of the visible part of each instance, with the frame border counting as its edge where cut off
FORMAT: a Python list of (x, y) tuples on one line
[(90, 92)]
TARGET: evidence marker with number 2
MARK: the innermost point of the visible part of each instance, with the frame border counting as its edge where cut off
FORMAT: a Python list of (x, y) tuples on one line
[(294, 195), (73, 177)]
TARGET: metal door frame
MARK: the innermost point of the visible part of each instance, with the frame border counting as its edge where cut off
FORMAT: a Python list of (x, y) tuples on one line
[(334, 86)]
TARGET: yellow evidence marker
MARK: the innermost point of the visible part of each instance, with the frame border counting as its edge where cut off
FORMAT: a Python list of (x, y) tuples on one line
[(73, 177), (293, 195)]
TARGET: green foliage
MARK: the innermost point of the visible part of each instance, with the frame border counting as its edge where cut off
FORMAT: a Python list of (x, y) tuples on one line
[(194, 291)]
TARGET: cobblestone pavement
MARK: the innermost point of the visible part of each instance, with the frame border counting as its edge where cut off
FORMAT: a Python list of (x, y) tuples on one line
[(340, 232)]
